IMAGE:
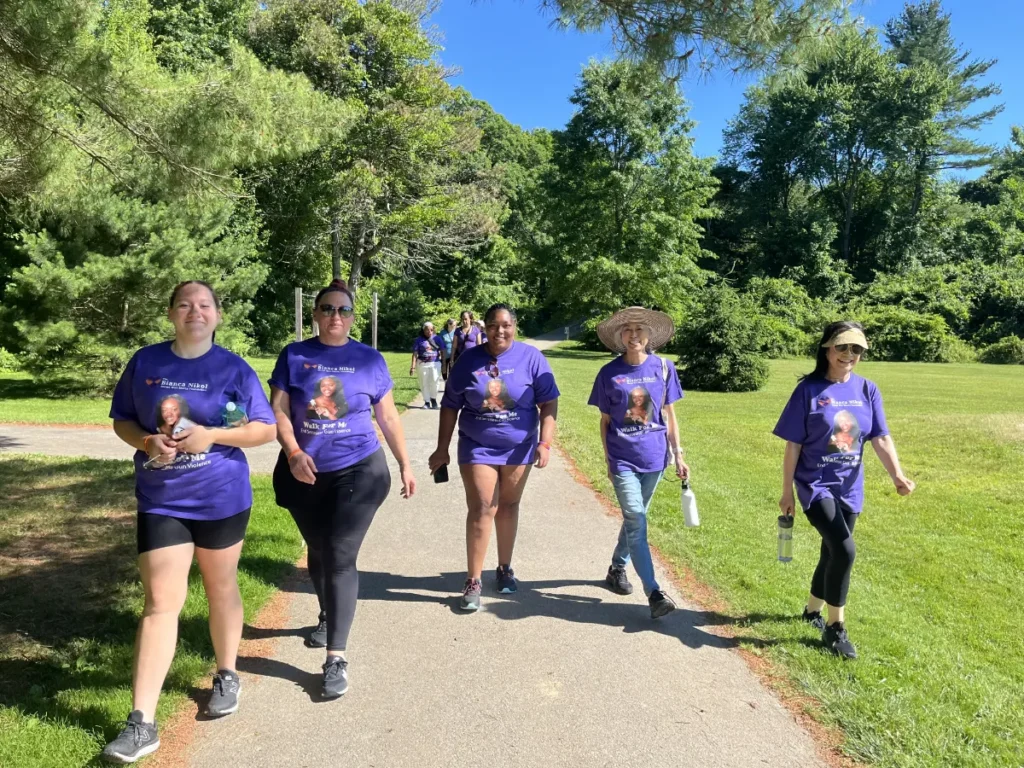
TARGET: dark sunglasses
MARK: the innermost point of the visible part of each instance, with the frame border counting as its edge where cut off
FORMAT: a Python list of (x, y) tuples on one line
[(492, 368), (330, 309), (857, 349)]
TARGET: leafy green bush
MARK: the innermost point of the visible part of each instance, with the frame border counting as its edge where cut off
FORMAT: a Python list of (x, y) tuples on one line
[(8, 361), (720, 345), (402, 308), (902, 335), (1009, 350)]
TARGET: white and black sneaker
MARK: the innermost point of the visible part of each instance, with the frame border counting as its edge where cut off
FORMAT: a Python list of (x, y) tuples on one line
[(138, 739), (335, 677), (226, 690)]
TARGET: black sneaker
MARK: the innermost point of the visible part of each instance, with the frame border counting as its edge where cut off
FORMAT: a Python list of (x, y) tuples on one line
[(617, 581), (660, 604), (335, 677), (433, 403), (814, 619), (138, 739), (506, 579), (318, 637), (226, 690), (836, 640)]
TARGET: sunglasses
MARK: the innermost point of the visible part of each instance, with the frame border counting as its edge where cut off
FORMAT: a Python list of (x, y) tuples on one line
[(492, 368), (857, 349), (330, 309)]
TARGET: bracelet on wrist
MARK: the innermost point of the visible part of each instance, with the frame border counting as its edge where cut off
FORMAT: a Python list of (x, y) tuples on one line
[(545, 444), (294, 453), (145, 443)]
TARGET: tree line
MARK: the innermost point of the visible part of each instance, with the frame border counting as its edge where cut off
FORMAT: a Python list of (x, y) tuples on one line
[(264, 146)]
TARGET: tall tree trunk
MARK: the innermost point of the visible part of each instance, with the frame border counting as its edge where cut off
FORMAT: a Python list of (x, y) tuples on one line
[(919, 177), (847, 224), (336, 246)]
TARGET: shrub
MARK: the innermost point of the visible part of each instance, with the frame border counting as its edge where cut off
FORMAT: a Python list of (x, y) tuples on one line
[(902, 335), (720, 347), (1009, 350), (8, 362)]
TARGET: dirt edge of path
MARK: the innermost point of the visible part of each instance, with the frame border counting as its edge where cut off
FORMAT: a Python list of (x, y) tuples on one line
[(827, 740)]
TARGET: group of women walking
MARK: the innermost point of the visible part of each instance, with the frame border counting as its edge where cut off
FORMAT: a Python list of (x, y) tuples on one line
[(188, 406)]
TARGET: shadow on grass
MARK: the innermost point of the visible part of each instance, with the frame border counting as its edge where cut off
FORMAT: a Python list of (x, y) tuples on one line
[(70, 597), (23, 389)]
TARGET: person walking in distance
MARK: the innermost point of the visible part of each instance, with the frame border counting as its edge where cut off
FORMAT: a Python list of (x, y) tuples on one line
[(332, 475), (427, 353), (501, 394), (635, 395), (187, 406), (830, 415)]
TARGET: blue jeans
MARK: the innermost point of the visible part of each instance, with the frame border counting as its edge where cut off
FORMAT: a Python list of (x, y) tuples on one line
[(635, 491)]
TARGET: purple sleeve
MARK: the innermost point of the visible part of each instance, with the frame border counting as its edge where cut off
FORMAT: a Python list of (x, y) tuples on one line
[(455, 388), (792, 424), (281, 376), (598, 395), (382, 380), (878, 428), (122, 405), (544, 388), (254, 399), (673, 389)]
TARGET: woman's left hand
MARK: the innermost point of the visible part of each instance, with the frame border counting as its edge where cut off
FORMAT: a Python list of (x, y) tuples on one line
[(408, 483), (543, 456), (195, 439), (904, 486), (682, 469)]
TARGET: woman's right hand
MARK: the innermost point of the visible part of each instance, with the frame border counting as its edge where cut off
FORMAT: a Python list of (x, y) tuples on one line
[(303, 468), (161, 446), (438, 459), (786, 504)]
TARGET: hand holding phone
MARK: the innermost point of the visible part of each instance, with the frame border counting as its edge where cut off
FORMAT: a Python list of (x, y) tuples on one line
[(441, 474)]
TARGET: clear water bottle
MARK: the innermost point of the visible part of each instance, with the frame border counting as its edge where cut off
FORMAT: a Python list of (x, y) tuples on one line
[(690, 517), (785, 538), (233, 415)]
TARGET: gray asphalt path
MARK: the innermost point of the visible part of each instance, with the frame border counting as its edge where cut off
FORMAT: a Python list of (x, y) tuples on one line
[(98, 443), (564, 673)]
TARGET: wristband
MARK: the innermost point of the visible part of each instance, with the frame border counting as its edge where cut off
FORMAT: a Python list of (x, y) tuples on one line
[(294, 453), (145, 443), (545, 444)]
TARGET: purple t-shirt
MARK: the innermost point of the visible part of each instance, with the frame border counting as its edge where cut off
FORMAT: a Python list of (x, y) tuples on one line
[(832, 422), (428, 350), (332, 390), (162, 392), (465, 341), (633, 396), (498, 398)]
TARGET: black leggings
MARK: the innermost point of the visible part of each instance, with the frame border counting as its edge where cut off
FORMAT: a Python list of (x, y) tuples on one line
[(333, 516), (834, 520)]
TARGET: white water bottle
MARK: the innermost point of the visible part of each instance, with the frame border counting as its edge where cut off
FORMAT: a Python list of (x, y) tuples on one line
[(690, 517)]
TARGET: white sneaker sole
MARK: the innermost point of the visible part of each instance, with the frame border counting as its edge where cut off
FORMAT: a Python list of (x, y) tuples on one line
[(129, 759), (226, 711)]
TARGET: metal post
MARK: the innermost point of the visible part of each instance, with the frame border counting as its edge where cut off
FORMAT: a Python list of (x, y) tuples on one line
[(374, 333), (298, 314)]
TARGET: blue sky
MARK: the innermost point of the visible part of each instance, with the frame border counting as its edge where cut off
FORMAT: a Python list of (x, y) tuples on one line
[(511, 57)]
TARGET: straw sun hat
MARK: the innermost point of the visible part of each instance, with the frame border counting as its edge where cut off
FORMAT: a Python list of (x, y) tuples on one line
[(661, 327)]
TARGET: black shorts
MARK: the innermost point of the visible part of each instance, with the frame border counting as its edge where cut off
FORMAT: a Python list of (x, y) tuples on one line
[(159, 531)]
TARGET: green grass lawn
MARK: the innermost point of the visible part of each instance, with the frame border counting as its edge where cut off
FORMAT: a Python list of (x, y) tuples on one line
[(22, 401), (936, 590), (70, 599)]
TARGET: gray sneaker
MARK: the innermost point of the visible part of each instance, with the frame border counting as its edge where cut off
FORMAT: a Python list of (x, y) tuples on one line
[(471, 595), (335, 677), (138, 739), (226, 690)]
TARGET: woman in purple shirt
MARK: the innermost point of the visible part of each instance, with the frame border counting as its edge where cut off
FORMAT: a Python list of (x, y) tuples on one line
[(187, 407), (499, 393), (635, 394), (332, 475), (467, 335), (825, 423)]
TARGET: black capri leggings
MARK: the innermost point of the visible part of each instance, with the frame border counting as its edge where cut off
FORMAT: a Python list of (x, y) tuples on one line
[(834, 519), (333, 516)]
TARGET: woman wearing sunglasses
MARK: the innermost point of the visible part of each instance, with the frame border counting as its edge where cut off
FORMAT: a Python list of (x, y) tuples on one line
[(332, 475), (829, 416), (500, 393)]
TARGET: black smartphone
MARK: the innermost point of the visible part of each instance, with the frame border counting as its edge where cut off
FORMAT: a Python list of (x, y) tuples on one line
[(441, 475)]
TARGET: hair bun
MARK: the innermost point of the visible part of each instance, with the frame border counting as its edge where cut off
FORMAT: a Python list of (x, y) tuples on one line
[(339, 283)]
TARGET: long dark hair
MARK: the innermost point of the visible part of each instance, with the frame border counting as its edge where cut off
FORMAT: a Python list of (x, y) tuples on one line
[(821, 360), (336, 285)]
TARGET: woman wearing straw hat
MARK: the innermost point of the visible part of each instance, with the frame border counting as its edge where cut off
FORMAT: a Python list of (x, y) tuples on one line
[(829, 416), (640, 439)]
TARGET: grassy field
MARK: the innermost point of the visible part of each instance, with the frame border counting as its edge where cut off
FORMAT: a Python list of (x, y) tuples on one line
[(20, 399), (70, 599), (936, 589)]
